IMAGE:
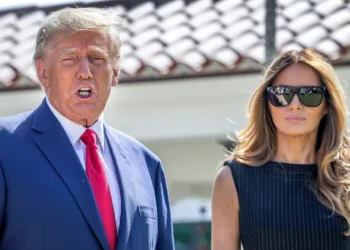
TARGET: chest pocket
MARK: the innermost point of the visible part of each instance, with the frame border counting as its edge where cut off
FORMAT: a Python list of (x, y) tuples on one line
[(147, 226), (148, 212)]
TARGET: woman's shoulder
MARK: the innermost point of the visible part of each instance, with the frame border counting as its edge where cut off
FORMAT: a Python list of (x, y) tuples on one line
[(231, 163), (236, 164), (239, 169), (224, 184), (244, 173)]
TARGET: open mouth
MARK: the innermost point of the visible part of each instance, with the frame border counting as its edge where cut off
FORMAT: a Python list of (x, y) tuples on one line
[(85, 93)]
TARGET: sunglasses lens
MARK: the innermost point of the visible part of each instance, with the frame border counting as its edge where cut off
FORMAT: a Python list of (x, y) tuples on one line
[(279, 97), (311, 97)]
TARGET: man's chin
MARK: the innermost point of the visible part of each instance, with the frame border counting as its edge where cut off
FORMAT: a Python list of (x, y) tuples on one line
[(85, 108), (86, 121), (85, 117)]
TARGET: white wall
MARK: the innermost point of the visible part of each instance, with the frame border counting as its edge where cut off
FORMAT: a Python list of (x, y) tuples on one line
[(162, 110), (190, 165), (173, 109), (180, 120)]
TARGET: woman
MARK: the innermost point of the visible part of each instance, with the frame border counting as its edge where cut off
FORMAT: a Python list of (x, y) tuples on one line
[(286, 184)]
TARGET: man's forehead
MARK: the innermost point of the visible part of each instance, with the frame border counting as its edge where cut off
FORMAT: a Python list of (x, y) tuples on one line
[(91, 40), (88, 48)]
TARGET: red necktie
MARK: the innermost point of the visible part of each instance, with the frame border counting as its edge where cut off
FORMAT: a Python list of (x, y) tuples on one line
[(99, 184)]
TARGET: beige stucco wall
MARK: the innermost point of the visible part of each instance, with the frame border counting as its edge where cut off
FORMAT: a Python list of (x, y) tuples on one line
[(180, 120)]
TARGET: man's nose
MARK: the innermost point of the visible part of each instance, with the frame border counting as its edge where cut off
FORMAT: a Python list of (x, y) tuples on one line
[(84, 69), (295, 104)]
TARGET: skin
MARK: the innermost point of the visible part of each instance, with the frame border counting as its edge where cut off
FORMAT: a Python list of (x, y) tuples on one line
[(296, 127), (73, 61), (225, 209)]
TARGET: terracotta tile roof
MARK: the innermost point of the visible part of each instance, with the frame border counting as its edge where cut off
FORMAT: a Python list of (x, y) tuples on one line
[(204, 37)]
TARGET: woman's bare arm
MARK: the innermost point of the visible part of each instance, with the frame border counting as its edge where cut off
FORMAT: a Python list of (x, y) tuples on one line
[(225, 207)]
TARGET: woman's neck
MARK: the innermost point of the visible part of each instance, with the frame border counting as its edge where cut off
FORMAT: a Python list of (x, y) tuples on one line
[(296, 149)]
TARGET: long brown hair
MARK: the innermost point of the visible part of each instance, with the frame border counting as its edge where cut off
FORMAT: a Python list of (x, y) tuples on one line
[(257, 143)]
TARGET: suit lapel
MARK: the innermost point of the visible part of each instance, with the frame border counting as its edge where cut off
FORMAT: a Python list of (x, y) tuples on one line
[(127, 187), (55, 145)]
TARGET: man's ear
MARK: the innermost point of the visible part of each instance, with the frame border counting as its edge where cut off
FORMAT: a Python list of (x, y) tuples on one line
[(115, 77), (41, 72)]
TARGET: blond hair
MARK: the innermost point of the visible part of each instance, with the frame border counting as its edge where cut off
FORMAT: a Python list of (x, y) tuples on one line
[(257, 143), (80, 19)]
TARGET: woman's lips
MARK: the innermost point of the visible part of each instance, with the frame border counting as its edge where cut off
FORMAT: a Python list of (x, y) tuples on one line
[(295, 118)]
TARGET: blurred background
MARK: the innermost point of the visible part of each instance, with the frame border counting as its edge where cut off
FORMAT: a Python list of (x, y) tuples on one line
[(187, 72)]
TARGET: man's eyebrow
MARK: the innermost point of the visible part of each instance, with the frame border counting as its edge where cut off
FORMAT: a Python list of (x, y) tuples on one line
[(68, 51), (72, 51), (96, 49)]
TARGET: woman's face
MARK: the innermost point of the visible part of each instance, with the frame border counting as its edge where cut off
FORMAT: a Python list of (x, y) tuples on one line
[(296, 119)]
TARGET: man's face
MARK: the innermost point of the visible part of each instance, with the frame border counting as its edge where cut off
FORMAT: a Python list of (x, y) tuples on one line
[(77, 73)]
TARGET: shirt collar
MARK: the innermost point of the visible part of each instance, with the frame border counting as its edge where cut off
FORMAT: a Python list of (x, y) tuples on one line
[(74, 131)]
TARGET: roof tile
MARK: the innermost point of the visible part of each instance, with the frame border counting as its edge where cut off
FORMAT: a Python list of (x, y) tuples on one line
[(294, 10), (179, 39), (204, 18), (170, 8), (177, 49), (329, 47), (8, 19), (194, 59), (337, 19), (212, 45), (7, 74), (141, 10), (304, 21), (311, 36), (174, 21), (199, 6), (328, 6), (342, 35), (227, 5), (234, 15), (227, 57)]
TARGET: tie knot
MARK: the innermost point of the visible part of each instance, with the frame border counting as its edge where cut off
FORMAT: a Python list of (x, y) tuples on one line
[(89, 137)]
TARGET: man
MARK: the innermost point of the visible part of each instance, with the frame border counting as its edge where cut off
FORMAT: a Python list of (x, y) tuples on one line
[(68, 180)]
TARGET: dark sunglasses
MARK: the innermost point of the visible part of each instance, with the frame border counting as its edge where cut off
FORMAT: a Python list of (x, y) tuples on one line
[(282, 96)]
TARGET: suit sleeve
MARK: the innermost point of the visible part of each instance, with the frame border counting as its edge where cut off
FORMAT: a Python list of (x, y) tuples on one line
[(165, 227), (2, 200)]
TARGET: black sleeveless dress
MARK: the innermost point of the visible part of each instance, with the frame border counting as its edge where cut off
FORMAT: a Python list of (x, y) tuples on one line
[(278, 209)]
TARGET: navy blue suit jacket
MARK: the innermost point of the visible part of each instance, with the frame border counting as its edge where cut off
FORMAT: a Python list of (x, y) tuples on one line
[(46, 201)]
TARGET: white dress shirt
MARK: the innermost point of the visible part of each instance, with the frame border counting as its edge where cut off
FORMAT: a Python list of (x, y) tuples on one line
[(74, 132)]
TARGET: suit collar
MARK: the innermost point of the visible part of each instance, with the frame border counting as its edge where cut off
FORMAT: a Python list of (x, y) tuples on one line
[(124, 170), (73, 130)]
